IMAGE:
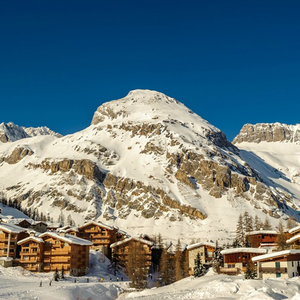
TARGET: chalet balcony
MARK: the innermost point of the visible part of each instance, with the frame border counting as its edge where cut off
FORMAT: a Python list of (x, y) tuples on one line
[(29, 253), (272, 270), (57, 252), (229, 271)]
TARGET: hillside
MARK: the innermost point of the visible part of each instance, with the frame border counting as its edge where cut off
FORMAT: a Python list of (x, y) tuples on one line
[(146, 164)]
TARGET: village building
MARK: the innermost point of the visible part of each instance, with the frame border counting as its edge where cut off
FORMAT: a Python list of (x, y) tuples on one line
[(262, 238), (205, 250), (294, 241), (53, 251), (9, 236), (284, 263), (236, 259), (121, 250), (101, 235)]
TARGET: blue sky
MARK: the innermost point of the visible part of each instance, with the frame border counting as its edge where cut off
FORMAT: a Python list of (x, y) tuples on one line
[(231, 62)]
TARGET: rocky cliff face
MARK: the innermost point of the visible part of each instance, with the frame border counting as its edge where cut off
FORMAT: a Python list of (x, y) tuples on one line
[(145, 157), (274, 132)]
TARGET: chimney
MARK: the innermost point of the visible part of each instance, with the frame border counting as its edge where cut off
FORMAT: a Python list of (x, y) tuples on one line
[(32, 233), (62, 233)]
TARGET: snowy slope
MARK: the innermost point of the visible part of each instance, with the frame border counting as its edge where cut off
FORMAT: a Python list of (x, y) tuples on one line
[(147, 164)]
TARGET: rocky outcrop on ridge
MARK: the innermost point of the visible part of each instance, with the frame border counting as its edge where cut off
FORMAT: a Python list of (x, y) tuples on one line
[(268, 132)]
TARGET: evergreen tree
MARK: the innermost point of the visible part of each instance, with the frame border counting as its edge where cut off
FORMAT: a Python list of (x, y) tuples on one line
[(281, 238), (250, 272), (178, 262), (217, 260), (267, 225), (199, 269), (137, 267), (248, 222), (240, 232), (257, 223), (166, 268)]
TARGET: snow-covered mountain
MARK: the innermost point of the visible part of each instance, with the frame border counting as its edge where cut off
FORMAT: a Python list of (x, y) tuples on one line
[(147, 164), (10, 132)]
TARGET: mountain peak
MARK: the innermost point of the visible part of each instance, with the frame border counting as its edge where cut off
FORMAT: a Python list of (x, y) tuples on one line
[(268, 132)]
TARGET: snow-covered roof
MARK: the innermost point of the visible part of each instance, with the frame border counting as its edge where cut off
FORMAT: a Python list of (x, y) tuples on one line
[(244, 250), (295, 229), (276, 254), (189, 247), (31, 238), (293, 239), (11, 228), (262, 232), (97, 224), (71, 239), (132, 238), (17, 220)]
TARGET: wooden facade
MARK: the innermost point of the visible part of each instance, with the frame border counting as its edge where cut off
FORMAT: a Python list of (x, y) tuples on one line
[(262, 238), (205, 250), (53, 251), (236, 259), (121, 250), (101, 235), (9, 237), (284, 263)]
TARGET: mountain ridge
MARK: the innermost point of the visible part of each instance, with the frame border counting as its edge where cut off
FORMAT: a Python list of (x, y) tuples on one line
[(145, 163)]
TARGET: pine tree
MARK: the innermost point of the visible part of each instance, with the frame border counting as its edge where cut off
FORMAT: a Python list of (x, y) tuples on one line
[(267, 225), (166, 268), (281, 238), (178, 262), (240, 233), (136, 266), (199, 269), (217, 260), (257, 223), (248, 222), (250, 272)]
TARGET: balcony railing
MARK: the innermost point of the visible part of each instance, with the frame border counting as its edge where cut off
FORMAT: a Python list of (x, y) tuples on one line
[(272, 270)]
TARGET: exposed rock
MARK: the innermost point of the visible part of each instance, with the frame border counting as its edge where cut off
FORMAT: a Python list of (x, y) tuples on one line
[(272, 132), (18, 154)]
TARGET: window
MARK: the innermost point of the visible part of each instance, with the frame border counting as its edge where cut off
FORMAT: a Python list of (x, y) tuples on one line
[(292, 266), (278, 275), (277, 264)]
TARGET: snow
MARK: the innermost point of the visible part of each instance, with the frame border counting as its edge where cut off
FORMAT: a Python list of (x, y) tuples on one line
[(294, 238), (275, 254), (243, 250), (16, 284), (11, 228), (189, 247), (261, 232), (71, 239)]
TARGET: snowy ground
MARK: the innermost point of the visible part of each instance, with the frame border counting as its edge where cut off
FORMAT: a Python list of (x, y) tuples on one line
[(222, 287), (15, 283)]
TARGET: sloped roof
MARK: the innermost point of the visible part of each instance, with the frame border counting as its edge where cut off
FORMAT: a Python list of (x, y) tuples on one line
[(97, 224), (11, 228), (276, 254), (190, 247), (31, 238), (71, 239), (256, 232), (129, 239), (244, 250), (293, 239), (294, 229)]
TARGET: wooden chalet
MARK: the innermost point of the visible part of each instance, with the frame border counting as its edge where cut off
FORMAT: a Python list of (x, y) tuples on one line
[(53, 251), (9, 236), (294, 241), (121, 249), (284, 263), (205, 250), (236, 259), (101, 235), (262, 238)]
